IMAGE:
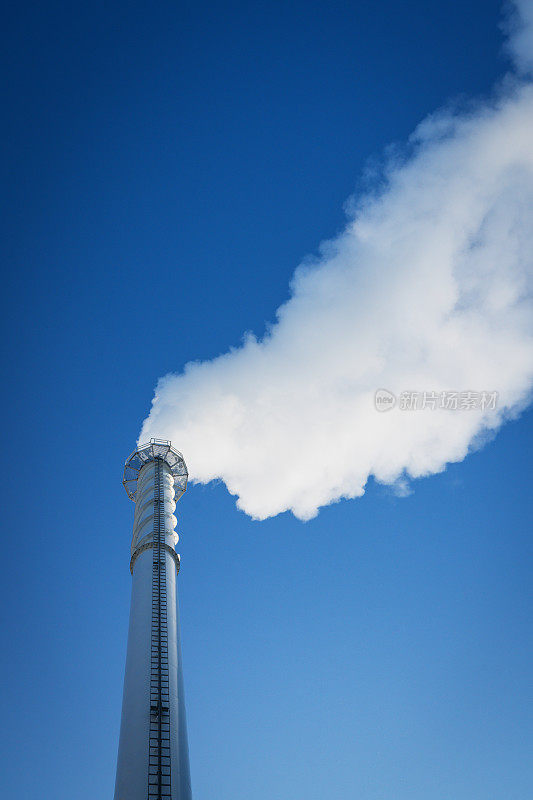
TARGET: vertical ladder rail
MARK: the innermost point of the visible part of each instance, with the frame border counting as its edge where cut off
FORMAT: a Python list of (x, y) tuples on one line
[(159, 777)]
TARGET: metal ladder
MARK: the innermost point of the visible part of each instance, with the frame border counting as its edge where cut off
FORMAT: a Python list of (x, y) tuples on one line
[(159, 786)]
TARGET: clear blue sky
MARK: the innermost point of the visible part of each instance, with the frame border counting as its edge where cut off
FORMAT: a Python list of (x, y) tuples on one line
[(166, 168)]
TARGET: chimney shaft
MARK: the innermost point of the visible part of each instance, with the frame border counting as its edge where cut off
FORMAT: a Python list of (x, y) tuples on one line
[(153, 758)]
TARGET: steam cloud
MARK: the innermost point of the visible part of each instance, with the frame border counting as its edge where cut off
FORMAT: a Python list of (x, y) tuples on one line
[(428, 288)]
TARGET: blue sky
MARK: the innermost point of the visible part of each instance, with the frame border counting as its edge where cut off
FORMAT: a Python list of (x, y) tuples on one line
[(166, 170)]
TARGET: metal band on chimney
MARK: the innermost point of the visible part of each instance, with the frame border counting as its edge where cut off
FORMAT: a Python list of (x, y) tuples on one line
[(149, 545)]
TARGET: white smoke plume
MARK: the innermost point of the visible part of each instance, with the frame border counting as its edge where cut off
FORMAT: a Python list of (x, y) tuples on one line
[(427, 289)]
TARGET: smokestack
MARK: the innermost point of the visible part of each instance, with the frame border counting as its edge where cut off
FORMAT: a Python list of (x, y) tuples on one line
[(153, 757)]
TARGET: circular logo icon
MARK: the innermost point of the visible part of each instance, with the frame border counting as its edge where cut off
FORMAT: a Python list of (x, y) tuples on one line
[(384, 400)]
